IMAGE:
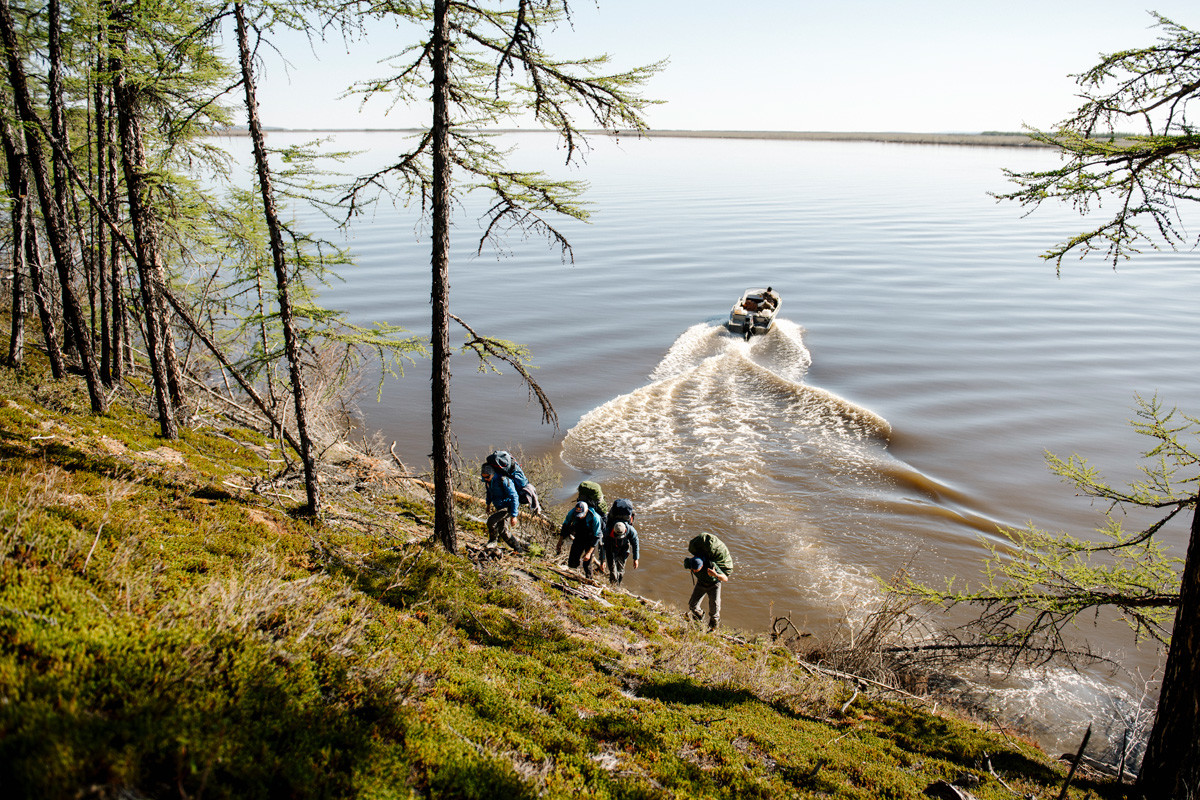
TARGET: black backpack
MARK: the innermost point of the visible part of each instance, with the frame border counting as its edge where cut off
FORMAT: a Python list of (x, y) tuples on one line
[(622, 511)]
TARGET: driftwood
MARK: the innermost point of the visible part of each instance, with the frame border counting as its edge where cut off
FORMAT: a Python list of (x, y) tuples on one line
[(846, 676)]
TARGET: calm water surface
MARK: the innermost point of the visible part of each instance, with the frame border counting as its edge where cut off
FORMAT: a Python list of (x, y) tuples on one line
[(900, 411)]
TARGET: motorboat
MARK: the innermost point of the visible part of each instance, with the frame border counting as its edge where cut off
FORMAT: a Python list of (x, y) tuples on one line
[(755, 312)]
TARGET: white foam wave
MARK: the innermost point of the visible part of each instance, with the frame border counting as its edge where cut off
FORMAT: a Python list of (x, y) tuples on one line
[(727, 434), (1057, 704)]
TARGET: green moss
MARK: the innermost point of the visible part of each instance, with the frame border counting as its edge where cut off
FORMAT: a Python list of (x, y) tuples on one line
[(163, 635)]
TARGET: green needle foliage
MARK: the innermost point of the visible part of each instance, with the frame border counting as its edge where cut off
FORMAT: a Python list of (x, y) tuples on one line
[(1037, 584), (1145, 174), (486, 65), (1145, 181)]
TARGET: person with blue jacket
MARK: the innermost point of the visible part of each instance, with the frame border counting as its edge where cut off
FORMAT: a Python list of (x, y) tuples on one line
[(619, 544), (584, 526), (501, 495)]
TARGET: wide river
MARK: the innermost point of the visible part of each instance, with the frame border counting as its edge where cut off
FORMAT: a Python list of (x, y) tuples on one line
[(925, 360)]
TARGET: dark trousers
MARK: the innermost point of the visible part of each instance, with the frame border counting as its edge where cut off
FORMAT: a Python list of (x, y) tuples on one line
[(575, 558), (498, 529), (616, 563), (713, 591)]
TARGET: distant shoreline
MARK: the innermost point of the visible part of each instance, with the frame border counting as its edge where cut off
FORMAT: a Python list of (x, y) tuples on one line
[(965, 139), (971, 139)]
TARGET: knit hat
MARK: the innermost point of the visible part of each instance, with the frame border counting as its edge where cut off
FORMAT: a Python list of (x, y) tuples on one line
[(486, 471)]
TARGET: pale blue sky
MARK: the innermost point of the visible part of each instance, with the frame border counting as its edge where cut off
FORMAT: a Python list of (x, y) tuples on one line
[(836, 65)]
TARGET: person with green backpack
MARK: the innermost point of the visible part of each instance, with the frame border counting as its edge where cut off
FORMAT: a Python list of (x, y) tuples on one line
[(590, 493), (710, 565)]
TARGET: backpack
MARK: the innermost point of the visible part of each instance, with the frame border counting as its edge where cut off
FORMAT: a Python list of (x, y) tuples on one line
[(591, 493), (505, 464), (622, 511)]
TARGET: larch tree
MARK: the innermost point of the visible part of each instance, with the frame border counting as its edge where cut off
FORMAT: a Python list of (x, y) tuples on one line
[(1132, 147), (279, 264), (56, 224), (482, 63)]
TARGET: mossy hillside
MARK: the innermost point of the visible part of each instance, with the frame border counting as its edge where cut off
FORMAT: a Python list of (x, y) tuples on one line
[(166, 632)]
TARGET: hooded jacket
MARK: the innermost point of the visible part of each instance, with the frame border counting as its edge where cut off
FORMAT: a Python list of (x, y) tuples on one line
[(502, 493), (715, 554)]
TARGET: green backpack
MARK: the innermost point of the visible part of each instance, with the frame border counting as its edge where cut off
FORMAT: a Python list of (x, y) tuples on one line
[(591, 493)]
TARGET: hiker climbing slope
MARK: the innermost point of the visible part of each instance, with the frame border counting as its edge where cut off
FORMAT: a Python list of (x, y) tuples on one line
[(711, 565), (620, 539), (501, 495), (584, 527), (619, 544), (504, 463), (589, 492)]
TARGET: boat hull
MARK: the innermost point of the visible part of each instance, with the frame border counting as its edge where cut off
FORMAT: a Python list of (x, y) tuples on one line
[(750, 315), (761, 322)]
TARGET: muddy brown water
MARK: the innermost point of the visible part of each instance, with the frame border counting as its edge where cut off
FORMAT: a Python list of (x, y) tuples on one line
[(925, 359)]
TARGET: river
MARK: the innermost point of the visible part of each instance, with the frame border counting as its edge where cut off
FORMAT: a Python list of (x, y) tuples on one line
[(925, 360)]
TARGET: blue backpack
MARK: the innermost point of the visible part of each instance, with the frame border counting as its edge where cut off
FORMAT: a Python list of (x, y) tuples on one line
[(503, 462)]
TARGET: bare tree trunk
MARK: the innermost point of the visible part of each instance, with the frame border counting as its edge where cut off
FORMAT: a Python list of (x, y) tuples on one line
[(1171, 767), (443, 495), (119, 239), (41, 296), (291, 341), (142, 215), (19, 191), (58, 122), (263, 335), (108, 354), (16, 340), (55, 223), (122, 345), (58, 129), (25, 255), (146, 245)]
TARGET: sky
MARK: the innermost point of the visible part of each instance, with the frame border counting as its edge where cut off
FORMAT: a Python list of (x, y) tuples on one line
[(936, 66)]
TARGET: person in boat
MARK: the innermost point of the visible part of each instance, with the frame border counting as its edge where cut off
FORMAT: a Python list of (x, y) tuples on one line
[(710, 565), (770, 299), (584, 527), (501, 494)]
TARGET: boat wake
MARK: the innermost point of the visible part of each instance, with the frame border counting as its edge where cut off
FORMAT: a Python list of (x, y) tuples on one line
[(728, 437)]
